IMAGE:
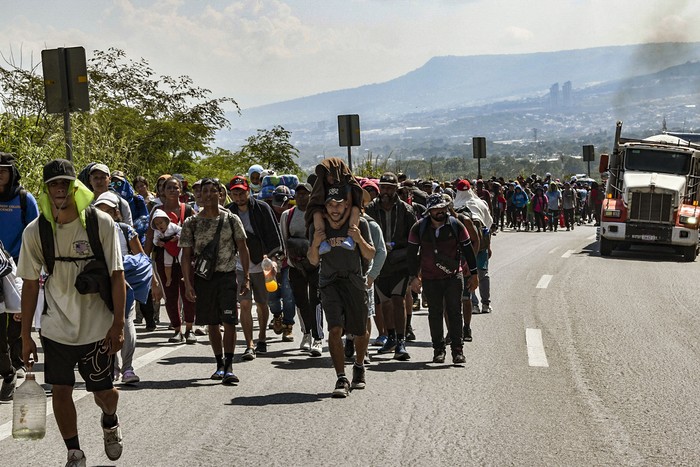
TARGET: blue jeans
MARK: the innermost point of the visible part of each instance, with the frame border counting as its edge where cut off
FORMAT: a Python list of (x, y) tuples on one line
[(282, 300), (482, 262)]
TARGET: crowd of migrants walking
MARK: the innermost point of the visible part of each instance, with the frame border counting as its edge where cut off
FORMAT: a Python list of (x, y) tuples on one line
[(97, 254)]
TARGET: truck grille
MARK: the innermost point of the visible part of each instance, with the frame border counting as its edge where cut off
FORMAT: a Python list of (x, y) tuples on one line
[(651, 207)]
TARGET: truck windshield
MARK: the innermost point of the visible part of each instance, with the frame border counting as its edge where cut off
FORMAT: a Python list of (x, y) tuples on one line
[(649, 160)]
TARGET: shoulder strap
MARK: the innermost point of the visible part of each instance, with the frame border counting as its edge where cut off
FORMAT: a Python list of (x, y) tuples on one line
[(183, 207), (93, 232), (125, 231), (23, 205), (233, 232), (289, 217), (47, 247)]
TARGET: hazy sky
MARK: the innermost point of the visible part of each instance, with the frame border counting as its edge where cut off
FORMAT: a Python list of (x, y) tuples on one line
[(266, 51)]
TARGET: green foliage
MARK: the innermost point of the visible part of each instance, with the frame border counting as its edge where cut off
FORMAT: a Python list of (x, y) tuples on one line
[(271, 149)]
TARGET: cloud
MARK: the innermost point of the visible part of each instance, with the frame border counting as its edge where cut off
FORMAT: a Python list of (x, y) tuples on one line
[(519, 34)]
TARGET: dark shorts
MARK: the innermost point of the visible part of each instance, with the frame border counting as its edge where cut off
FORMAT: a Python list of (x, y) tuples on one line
[(257, 287), (345, 305), (390, 286), (217, 299), (95, 365)]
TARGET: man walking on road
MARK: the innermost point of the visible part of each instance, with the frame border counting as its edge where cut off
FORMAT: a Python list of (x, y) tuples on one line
[(342, 281), (395, 218), (75, 328), (437, 243), (215, 297)]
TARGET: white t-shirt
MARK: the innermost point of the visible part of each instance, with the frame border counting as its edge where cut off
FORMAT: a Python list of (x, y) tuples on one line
[(71, 318)]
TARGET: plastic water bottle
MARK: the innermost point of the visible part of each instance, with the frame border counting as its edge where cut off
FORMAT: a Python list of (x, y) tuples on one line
[(270, 279), (29, 410)]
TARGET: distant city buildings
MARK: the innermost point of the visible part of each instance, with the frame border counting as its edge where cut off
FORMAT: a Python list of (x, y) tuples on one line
[(560, 98)]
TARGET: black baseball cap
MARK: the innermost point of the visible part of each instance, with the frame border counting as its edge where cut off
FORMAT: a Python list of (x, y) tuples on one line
[(59, 169), (389, 178), (336, 193)]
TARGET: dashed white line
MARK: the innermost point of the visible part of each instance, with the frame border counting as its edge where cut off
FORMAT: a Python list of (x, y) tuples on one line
[(536, 355), (143, 360), (544, 281), (568, 253)]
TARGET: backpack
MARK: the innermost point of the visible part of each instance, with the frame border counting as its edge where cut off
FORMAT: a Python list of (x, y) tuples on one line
[(483, 231)]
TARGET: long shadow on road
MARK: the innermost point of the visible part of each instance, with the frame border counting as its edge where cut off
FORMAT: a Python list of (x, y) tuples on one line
[(282, 398)]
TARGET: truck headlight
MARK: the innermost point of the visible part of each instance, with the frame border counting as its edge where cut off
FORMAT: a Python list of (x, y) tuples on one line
[(611, 213), (688, 220)]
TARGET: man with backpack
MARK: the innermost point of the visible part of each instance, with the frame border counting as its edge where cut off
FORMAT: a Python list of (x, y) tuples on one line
[(17, 209), (76, 328), (215, 236), (437, 245)]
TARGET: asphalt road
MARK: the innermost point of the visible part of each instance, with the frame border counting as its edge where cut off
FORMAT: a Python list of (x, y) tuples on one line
[(585, 361)]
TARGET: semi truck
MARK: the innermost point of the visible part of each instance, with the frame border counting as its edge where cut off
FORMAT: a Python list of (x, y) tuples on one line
[(652, 194)]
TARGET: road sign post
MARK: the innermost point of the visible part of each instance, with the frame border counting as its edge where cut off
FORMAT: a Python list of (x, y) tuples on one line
[(479, 147), (349, 133), (65, 86), (589, 156)]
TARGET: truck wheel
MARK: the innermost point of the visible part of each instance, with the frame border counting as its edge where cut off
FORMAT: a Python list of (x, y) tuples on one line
[(605, 246), (689, 253)]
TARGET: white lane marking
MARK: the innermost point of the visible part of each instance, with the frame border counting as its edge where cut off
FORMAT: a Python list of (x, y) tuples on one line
[(536, 355), (568, 253), (544, 281), (143, 360), (552, 250)]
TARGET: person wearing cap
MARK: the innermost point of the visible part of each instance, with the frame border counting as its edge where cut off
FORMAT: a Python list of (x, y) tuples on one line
[(216, 296), (395, 218), (343, 284), (100, 179), (263, 239), (303, 277), (75, 328), (17, 209), (281, 301), (437, 245)]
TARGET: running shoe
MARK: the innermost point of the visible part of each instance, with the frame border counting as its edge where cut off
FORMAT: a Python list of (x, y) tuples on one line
[(467, 334), (76, 458), (324, 248), (410, 335), (129, 377), (249, 354), (261, 347), (316, 348), (358, 377), (200, 331), (400, 352), (348, 243), (380, 341), (190, 338), (113, 441), (305, 342), (390, 346), (177, 338), (342, 388), (486, 309)]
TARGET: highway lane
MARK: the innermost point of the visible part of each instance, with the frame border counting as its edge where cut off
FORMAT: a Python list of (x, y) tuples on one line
[(619, 336)]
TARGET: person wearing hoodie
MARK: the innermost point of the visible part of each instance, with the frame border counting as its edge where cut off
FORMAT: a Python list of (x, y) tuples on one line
[(76, 329), (17, 209), (255, 176), (519, 200), (539, 207)]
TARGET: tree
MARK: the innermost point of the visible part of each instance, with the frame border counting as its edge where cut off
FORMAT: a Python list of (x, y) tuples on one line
[(272, 149)]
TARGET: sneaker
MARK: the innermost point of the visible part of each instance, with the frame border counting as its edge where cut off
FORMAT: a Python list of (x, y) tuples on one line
[(467, 334), (342, 388), (305, 342), (150, 328), (200, 331), (129, 377), (218, 374), (76, 458), (358, 377), (277, 325), (113, 441), (21, 372), (400, 352), (7, 392), (229, 379), (249, 354), (416, 305), (287, 334), (390, 346), (380, 341), (324, 248), (316, 348), (261, 347), (177, 338), (190, 338), (475, 309), (486, 309), (410, 335), (349, 348), (439, 356), (458, 356), (348, 243)]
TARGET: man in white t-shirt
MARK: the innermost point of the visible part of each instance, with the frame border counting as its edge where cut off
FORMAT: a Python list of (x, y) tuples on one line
[(75, 328)]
